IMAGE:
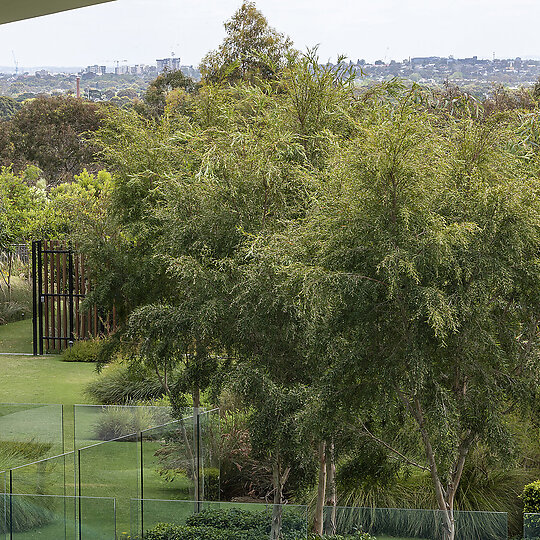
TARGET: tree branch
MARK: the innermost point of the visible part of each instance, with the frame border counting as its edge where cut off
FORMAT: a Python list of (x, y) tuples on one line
[(392, 449)]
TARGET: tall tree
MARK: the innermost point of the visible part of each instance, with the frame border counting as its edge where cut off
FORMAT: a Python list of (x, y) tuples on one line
[(417, 271), (250, 49)]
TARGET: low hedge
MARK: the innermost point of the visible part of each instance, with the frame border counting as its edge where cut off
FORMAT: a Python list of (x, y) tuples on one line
[(165, 531), (244, 520), (238, 524)]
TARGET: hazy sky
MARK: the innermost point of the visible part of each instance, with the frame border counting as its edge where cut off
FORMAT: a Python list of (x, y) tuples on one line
[(140, 31)]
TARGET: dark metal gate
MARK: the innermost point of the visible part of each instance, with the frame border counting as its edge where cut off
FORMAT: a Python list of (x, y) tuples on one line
[(60, 284)]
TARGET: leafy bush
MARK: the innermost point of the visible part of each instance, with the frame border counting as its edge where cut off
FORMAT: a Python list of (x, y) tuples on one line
[(165, 531), (231, 524), (83, 351), (118, 384), (238, 519), (212, 479), (354, 536), (531, 498)]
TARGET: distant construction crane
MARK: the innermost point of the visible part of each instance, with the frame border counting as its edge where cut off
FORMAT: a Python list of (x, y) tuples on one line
[(117, 64), (16, 63)]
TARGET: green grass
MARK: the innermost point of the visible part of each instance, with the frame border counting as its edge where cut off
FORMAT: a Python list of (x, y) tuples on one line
[(109, 469), (46, 379), (16, 337)]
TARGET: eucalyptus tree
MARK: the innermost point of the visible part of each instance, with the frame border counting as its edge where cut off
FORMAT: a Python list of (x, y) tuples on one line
[(251, 49), (417, 275)]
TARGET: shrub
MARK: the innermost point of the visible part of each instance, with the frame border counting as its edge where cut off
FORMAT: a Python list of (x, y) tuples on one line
[(531, 498), (29, 513), (354, 536), (117, 422), (238, 519), (18, 304), (83, 351), (212, 478), (232, 524), (12, 312), (118, 384), (180, 532)]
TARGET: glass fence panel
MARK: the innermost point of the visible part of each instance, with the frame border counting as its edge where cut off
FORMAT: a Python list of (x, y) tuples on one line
[(210, 442), (414, 524), (168, 461), (3, 506), (41, 516), (531, 526), (51, 476), (29, 433), (49, 517), (97, 518), (173, 453), (111, 469), (96, 423), (219, 520)]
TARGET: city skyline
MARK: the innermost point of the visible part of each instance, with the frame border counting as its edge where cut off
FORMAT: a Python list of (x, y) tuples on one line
[(139, 31)]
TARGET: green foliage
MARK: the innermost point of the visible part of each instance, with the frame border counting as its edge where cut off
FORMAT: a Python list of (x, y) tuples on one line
[(354, 536), (8, 107), (369, 256), (21, 205), (250, 49), (155, 97), (230, 524), (30, 512), (118, 384), (531, 498), (179, 532), (83, 351), (15, 303), (117, 422), (14, 454), (29, 211), (49, 132)]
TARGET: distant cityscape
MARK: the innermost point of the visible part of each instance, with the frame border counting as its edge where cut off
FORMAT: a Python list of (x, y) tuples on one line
[(121, 68), (433, 70), (125, 81)]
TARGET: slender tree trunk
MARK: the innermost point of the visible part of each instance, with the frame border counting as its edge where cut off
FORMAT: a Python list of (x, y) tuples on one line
[(321, 491), (331, 495), (449, 526), (279, 479), (277, 511), (10, 265), (196, 444)]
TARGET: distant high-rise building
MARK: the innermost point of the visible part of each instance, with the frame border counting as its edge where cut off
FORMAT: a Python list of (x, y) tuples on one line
[(172, 64), (98, 70)]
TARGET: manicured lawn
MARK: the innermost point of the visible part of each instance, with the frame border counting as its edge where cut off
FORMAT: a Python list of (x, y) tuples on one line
[(39, 379), (46, 379), (16, 337)]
